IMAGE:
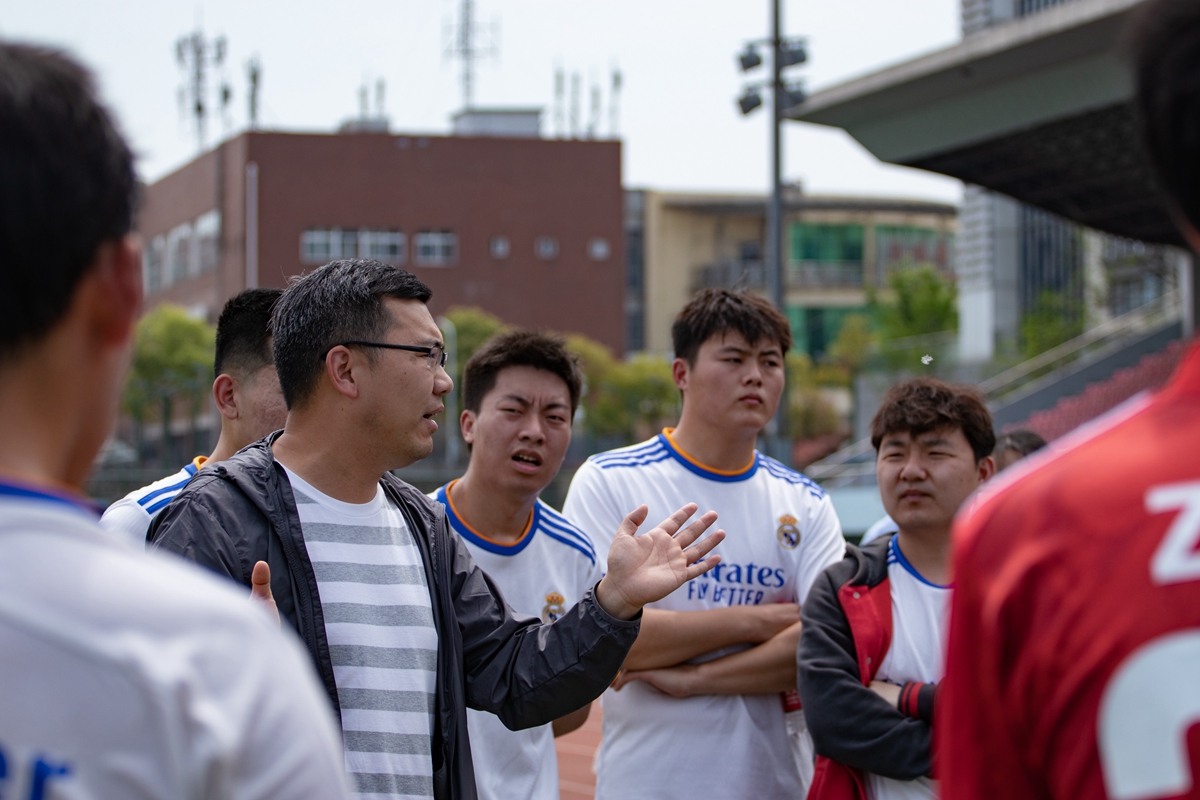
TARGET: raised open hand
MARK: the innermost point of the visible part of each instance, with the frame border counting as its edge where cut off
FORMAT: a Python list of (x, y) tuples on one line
[(642, 569)]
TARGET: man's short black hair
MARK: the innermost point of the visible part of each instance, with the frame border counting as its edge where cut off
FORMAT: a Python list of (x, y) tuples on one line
[(519, 349), (341, 301), (1019, 441), (714, 312), (921, 405), (67, 185), (1166, 51), (244, 333)]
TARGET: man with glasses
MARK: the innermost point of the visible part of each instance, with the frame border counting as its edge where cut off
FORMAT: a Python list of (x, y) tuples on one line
[(405, 630)]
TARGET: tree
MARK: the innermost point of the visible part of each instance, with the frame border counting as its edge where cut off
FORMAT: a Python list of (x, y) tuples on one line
[(922, 302), (852, 347), (172, 358), (1055, 318), (626, 399)]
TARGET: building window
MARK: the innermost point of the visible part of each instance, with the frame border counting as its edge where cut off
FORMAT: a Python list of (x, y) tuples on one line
[(598, 249), (826, 255), (207, 241), (389, 247), (153, 261), (179, 253), (435, 248), (546, 248), (314, 247), (899, 247), (322, 245), (499, 247)]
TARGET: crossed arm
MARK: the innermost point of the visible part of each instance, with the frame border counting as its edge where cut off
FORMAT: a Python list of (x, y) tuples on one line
[(669, 638)]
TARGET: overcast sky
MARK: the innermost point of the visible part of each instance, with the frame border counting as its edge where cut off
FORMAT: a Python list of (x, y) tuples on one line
[(677, 115)]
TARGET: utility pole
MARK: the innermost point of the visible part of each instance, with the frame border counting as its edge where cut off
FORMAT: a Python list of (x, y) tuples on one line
[(466, 45), (784, 53)]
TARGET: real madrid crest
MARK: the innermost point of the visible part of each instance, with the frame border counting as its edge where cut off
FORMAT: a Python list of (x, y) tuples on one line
[(787, 533), (554, 607)]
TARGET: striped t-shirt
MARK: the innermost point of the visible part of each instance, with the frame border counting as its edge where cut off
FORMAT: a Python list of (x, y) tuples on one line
[(130, 517), (382, 640)]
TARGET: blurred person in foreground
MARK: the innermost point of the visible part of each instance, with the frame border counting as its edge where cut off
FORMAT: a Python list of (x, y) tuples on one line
[(1075, 632), (870, 655), (1011, 447), (520, 391), (405, 630), (703, 683), (121, 674), (247, 395)]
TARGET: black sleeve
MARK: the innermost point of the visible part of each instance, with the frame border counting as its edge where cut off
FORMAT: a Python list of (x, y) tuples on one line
[(199, 527), (849, 722), (524, 672)]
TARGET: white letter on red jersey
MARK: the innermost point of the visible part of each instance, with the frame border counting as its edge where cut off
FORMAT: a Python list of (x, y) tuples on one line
[(1145, 713), (1177, 559)]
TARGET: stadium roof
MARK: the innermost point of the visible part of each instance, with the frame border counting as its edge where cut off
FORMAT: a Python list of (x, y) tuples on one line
[(1038, 108)]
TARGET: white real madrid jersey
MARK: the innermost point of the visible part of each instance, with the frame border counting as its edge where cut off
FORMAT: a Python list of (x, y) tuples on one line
[(130, 517), (781, 532), (920, 610), (544, 573)]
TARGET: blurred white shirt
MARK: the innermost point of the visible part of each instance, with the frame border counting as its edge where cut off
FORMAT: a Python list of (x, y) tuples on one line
[(135, 675)]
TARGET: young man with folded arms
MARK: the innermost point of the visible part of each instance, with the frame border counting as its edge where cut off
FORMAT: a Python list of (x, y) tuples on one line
[(703, 685)]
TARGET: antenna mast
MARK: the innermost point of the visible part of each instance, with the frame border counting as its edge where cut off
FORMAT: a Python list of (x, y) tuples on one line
[(196, 55), (470, 44)]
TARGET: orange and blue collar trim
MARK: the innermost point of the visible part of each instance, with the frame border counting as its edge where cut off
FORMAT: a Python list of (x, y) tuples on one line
[(704, 471), (463, 529)]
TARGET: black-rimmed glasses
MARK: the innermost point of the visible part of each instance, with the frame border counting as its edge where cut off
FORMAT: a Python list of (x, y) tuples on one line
[(435, 354)]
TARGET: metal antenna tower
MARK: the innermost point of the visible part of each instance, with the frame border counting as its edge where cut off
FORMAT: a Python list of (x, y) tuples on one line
[(614, 104), (576, 88), (196, 55), (560, 91), (253, 75), (469, 44)]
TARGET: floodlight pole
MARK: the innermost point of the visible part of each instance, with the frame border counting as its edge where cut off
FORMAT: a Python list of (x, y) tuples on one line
[(775, 282)]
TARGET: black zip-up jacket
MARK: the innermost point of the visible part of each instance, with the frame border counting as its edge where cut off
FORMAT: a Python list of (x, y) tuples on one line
[(846, 633), (242, 511)]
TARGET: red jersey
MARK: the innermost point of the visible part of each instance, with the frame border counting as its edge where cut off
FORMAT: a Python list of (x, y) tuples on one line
[(1073, 664)]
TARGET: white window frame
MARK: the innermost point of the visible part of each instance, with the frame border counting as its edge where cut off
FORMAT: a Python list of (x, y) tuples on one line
[(599, 249), (499, 247), (435, 248), (545, 248)]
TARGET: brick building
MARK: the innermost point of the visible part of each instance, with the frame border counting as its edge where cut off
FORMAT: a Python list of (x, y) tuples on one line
[(528, 229)]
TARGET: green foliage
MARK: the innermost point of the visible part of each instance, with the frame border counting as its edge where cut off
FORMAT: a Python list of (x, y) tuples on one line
[(852, 347), (172, 356), (1054, 319), (810, 415), (474, 327), (922, 302), (628, 399)]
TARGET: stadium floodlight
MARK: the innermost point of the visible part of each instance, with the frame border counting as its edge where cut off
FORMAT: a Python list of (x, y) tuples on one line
[(750, 100), (791, 96), (791, 53), (750, 58)]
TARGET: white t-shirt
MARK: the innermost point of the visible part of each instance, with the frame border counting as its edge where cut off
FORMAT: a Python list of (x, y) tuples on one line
[(885, 526), (382, 639), (781, 533), (917, 653), (129, 518), (542, 575), (126, 674)]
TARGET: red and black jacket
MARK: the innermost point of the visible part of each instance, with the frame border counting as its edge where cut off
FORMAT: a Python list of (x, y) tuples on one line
[(846, 634)]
